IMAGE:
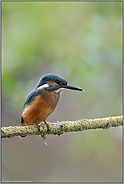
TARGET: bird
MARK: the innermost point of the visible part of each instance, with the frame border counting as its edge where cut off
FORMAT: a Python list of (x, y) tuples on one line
[(42, 100)]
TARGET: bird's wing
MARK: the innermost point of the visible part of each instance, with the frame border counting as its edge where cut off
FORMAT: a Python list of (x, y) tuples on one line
[(30, 97)]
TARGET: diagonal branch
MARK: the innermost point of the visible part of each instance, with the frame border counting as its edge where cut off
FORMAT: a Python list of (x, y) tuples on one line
[(62, 127)]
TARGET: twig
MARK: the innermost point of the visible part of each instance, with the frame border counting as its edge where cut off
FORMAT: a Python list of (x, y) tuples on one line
[(62, 127)]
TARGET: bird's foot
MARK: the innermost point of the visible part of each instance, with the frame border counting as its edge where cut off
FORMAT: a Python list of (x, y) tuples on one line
[(38, 127), (45, 123)]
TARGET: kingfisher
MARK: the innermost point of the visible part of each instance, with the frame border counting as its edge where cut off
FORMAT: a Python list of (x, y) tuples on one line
[(42, 100)]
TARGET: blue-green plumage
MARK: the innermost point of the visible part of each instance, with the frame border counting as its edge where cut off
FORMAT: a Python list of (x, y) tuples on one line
[(42, 101), (50, 77), (32, 95), (53, 88)]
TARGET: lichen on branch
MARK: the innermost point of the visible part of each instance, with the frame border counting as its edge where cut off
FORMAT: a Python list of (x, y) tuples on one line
[(58, 128)]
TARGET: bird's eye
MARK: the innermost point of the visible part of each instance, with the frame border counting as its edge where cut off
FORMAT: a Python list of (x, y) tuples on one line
[(57, 81), (61, 82)]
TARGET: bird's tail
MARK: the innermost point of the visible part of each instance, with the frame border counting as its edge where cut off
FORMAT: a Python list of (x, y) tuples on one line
[(22, 121)]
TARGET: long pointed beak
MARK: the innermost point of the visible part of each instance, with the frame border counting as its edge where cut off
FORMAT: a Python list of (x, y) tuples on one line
[(69, 86)]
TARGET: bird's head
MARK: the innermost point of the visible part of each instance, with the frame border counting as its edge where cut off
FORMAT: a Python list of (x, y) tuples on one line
[(53, 82)]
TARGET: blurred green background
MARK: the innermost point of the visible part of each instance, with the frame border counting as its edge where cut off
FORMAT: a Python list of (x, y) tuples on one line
[(82, 42)]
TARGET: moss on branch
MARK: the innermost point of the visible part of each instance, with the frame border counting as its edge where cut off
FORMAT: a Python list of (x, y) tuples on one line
[(62, 127)]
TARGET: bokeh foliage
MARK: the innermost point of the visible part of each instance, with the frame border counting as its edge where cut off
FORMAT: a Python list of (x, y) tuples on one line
[(80, 41)]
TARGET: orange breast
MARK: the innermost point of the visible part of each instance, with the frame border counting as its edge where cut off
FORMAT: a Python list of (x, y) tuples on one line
[(40, 108)]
